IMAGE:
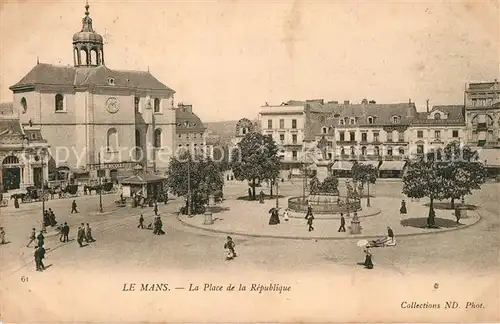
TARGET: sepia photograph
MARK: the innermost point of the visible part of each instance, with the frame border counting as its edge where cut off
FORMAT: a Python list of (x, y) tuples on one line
[(249, 161)]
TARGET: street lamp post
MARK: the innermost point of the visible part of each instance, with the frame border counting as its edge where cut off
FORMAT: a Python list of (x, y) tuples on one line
[(100, 183), (277, 194), (189, 185), (44, 230)]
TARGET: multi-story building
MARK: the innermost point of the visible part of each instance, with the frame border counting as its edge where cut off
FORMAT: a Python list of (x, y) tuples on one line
[(368, 132), (286, 123), (435, 129), (23, 153), (482, 109), (190, 133), (87, 112)]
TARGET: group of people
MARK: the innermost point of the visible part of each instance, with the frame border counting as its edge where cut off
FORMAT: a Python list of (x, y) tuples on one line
[(39, 249), (49, 218), (84, 234), (156, 225)]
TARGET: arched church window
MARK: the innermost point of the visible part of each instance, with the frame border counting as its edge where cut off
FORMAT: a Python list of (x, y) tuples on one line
[(11, 159), (157, 105), (158, 137), (112, 139), (59, 102), (24, 105)]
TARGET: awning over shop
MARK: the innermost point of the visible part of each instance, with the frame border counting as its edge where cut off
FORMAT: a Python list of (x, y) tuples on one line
[(490, 157), (342, 165), (143, 179), (372, 163), (392, 165)]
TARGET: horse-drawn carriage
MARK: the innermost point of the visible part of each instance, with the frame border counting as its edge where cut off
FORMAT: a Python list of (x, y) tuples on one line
[(107, 187), (32, 194)]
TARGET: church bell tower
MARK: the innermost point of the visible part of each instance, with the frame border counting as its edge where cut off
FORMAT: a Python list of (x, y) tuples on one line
[(88, 46)]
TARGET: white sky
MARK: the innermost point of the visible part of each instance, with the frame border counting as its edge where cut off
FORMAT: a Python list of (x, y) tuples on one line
[(229, 57)]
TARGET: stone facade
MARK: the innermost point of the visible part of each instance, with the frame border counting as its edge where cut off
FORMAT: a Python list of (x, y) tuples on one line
[(89, 112)]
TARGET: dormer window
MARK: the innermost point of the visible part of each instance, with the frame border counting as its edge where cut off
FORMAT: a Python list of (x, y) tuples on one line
[(136, 104), (371, 120), (346, 120), (353, 121), (324, 130), (341, 122), (437, 116), (111, 81), (395, 119)]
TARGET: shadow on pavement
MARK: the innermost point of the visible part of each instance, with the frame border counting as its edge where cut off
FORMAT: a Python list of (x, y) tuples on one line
[(422, 222), (266, 197), (447, 206)]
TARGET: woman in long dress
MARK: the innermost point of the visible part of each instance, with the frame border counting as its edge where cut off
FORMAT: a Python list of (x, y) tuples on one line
[(368, 258), (274, 219), (403, 210)]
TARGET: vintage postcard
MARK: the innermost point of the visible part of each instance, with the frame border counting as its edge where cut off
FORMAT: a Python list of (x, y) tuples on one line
[(249, 161)]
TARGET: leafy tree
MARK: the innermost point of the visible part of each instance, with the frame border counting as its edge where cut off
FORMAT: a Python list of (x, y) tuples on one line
[(330, 184), (256, 159), (461, 166), (205, 178), (365, 174), (424, 178)]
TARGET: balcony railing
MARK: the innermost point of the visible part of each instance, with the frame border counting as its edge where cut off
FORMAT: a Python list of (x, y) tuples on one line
[(347, 142)]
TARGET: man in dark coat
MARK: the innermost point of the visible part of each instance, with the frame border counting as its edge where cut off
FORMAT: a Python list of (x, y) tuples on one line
[(156, 209), (88, 233), (390, 233), (52, 218), (80, 236), (16, 202), (141, 222), (65, 232), (40, 239), (39, 256), (73, 207), (342, 223)]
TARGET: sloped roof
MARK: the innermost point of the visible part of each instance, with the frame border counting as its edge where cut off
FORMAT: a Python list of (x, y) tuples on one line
[(6, 108), (454, 116), (225, 129), (10, 126), (186, 115), (143, 179), (48, 74)]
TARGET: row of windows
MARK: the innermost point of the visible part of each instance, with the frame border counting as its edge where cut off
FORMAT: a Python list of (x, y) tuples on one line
[(112, 142), (189, 135), (282, 123), (376, 151), (437, 134), (59, 104)]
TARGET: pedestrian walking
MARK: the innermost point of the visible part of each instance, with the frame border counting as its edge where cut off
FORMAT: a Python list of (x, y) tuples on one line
[(88, 233), (229, 248), (16, 202), (65, 232), (310, 219), (457, 214), (73, 207), (141, 222), (80, 235), (368, 258), (309, 210), (52, 218), (40, 239), (32, 237), (342, 223), (2, 235), (39, 256), (156, 209), (402, 209), (286, 215)]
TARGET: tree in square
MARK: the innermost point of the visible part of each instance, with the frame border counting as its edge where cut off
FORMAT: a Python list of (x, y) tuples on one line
[(463, 170), (365, 174), (256, 159), (205, 179)]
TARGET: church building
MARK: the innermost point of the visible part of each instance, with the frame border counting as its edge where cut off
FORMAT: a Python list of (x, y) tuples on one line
[(96, 117)]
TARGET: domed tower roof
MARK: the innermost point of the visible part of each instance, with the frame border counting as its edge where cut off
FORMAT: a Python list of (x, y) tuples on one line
[(87, 44)]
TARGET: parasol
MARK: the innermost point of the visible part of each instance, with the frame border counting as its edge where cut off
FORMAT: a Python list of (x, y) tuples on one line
[(362, 243), (272, 209)]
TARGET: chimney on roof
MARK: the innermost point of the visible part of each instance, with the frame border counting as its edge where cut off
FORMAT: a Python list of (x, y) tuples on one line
[(335, 102), (409, 100), (427, 101), (364, 101), (346, 102), (372, 102)]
